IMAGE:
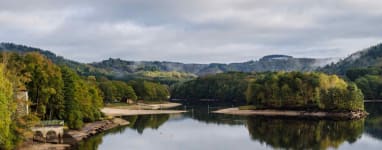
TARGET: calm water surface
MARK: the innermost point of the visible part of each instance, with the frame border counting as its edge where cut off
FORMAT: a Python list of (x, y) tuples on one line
[(199, 130)]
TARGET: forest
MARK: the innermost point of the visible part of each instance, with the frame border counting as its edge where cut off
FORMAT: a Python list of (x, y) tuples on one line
[(296, 90), (228, 87), (59, 92), (281, 90), (368, 79)]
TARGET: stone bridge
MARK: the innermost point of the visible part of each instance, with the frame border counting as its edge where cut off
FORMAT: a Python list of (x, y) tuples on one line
[(50, 131)]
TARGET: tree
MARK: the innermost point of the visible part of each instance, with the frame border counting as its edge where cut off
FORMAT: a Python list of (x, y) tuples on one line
[(82, 99), (73, 116), (6, 110), (44, 86)]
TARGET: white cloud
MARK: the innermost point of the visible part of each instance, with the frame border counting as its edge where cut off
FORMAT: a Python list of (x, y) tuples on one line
[(192, 31)]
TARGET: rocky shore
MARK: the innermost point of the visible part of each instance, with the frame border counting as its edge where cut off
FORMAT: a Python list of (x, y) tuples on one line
[(294, 113), (91, 129), (74, 136)]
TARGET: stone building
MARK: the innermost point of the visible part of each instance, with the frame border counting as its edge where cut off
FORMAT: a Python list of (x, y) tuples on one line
[(22, 103)]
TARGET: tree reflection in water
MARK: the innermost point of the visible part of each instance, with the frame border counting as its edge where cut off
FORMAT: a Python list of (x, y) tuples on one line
[(141, 122), (374, 120), (94, 142), (138, 123), (276, 132), (292, 133)]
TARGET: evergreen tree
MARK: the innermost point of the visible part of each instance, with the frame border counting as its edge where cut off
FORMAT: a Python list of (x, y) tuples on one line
[(73, 116)]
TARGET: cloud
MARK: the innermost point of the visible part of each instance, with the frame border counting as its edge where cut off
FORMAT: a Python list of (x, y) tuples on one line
[(195, 31)]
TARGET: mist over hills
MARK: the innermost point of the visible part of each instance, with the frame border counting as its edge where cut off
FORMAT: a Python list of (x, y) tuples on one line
[(369, 57), (118, 68), (267, 63)]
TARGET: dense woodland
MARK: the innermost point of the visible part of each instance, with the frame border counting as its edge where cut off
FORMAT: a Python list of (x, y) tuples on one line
[(296, 90), (369, 80), (225, 87), (54, 92), (282, 90), (363, 68), (59, 92)]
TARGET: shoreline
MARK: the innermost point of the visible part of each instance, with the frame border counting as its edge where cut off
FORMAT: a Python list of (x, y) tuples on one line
[(372, 101), (145, 106), (73, 137), (91, 129), (292, 113), (128, 112)]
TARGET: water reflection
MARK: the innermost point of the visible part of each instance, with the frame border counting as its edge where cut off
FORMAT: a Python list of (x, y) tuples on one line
[(374, 120), (142, 122), (94, 142), (204, 114), (200, 129), (302, 133)]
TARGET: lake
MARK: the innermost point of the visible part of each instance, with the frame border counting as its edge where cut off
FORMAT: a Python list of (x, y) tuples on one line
[(198, 129)]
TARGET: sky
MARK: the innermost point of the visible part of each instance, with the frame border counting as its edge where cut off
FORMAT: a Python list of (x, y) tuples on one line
[(192, 31)]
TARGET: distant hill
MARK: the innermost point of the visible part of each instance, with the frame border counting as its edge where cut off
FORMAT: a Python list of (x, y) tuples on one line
[(81, 68), (267, 63), (370, 57), (147, 73), (117, 68)]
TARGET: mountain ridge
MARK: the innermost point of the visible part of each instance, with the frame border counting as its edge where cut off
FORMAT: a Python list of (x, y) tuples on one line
[(266, 63), (368, 57), (118, 67)]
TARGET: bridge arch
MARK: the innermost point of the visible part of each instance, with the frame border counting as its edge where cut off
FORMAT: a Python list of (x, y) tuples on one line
[(39, 136), (49, 131)]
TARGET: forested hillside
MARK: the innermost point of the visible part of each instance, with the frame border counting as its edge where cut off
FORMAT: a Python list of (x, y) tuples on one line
[(158, 70), (56, 91), (370, 57), (363, 68), (81, 68), (267, 63), (120, 70)]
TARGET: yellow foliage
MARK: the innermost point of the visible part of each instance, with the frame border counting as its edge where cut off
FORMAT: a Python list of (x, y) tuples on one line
[(331, 81)]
